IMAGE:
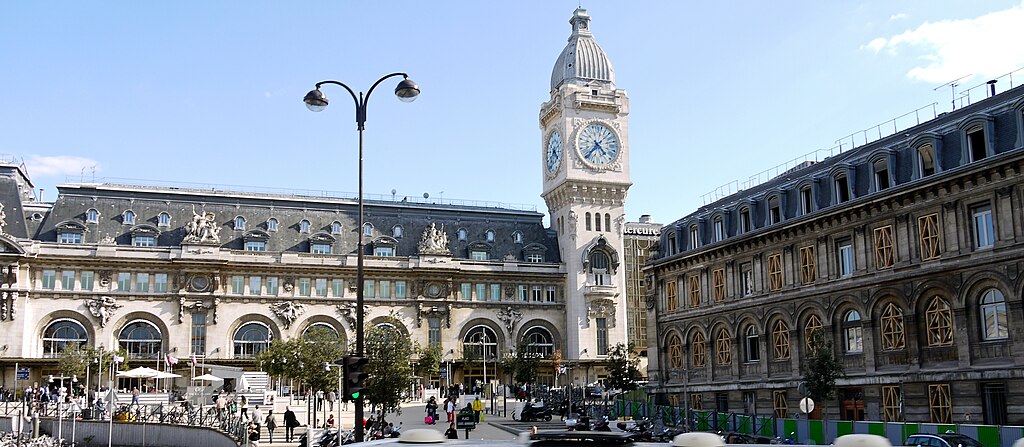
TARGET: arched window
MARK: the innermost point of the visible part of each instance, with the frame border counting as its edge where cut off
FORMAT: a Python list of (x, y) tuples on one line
[(926, 160), (517, 237), (539, 342), (698, 350), (608, 222), (327, 328), (272, 224), (304, 226), (753, 351), (780, 340), (588, 222), (723, 347), (675, 352), (128, 217), (141, 340), (367, 229), (852, 333), (239, 223), (164, 220), (489, 235), (63, 334), (939, 320), (993, 315), (396, 232), (600, 267), (251, 339), (811, 329), (480, 340), (462, 235), (386, 326), (893, 334), (335, 227), (92, 216)]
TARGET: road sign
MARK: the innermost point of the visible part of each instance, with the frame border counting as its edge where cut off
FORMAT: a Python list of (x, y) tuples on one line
[(444, 374), (806, 405), (465, 421), (23, 373)]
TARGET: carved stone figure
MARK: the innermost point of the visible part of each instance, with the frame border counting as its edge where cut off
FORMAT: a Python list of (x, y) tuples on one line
[(510, 317), (424, 311), (573, 218), (602, 308), (434, 241), (287, 311), (202, 229), (3, 219), (102, 308), (347, 311)]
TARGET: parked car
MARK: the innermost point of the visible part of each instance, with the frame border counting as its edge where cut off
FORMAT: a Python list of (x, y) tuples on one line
[(941, 440)]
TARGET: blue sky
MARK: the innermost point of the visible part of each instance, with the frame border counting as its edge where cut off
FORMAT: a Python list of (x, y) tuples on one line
[(210, 92)]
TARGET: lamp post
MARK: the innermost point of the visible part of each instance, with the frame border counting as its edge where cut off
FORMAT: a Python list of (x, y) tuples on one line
[(315, 100), (484, 340)]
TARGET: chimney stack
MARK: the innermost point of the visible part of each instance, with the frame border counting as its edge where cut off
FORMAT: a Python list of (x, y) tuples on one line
[(992, 87)]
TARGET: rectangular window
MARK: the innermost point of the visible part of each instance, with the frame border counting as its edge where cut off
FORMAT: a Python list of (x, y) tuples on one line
[(385, 289), (993, 398), (144, 241), (928, 228), (384, 251), (142, 282), (984, 232), (884, 247), (305, 286), (70, 238), (160, 283), (694, 237), (481, 292), (550, 294), (926, 160), (744, 221), (368, 288), (87, 279), (844, 249), (939, 406), (272, 285), (808, 265), (255, 246), (806, 202), (534, 257), (891, 403), (321, 287), (124, 281), (467, 291), (718, 276), (976, 144), (747, 279), (775, 272), (255, 285), (722, 402), (719, 230), (671, 301), (781, 407), (881, 175), (697, 401), (67, 280), (337, 288), (434, 331), (237, 284), (536, 294), (522, 293), (400, 290), (774, 212), (694, 282), (324, 249), (478, 255), (602, 336), (842, 189), (199, 333), (495, 292)]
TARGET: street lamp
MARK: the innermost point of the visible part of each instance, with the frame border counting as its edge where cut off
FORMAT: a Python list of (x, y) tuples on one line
[(315, 100), (484, 339)]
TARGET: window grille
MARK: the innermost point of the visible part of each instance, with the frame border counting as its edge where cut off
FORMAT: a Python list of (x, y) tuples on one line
[(928, 227), (808, 265), (780, 340), (939, 404), (775, 272), (698, 350), (893, 334), (884, 247), (939, 319), (695, 291), (719, 280), (723, 348)]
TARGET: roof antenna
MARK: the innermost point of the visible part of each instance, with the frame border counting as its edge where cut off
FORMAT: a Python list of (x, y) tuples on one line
[(952, 85)]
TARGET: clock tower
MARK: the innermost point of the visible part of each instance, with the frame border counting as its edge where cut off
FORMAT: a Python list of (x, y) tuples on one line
[(585, 154)]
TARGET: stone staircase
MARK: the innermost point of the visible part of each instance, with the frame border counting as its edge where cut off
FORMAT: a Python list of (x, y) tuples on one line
[(256, 383)]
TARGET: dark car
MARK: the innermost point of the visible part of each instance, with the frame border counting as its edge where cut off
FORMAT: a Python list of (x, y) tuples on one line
[(942, 440)]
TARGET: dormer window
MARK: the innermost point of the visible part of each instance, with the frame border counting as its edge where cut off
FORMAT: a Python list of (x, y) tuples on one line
[(744, 220), (976, 146), (70, 232), (774, 210), (304, 226), (239, 223), (384, 246), (92, 216), (926, 160), (367, 229), (396, 232), (806, 201), (144, 236), (164, 220), (671, 242), (321, 244), (489, 236), (255, 240), (462, 235), (336, 227), (272, 224), (881, 169), (842, 187), (128, 217), (517, 237), (719, 229), (694, 237)]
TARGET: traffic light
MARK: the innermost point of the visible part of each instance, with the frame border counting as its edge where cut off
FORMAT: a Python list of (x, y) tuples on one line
[(354, 376)]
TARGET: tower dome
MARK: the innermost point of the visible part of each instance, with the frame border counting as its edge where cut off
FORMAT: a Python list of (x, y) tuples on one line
[(582, 60)]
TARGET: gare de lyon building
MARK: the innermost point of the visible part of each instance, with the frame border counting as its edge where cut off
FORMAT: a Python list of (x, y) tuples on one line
[(221, 274), (905, 253)]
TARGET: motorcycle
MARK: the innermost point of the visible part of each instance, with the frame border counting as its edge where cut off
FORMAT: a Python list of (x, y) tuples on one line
[(602, 424), (579, 423), (642, 428), (533, 412)]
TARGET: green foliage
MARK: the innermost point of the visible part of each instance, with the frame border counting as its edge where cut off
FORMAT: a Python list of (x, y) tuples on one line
[(303, 358), (429, 361), (522, 364), (388, 351), (623, 368), (74, 360), (821, 368)]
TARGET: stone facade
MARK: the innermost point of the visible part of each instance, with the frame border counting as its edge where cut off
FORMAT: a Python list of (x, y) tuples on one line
[(905, 253)]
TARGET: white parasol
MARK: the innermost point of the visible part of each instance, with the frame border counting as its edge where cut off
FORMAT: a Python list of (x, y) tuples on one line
[(139, 373), (209, 377)]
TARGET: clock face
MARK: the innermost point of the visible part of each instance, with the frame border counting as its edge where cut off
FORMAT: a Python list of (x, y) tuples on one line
[(554, 156), (598, 144)]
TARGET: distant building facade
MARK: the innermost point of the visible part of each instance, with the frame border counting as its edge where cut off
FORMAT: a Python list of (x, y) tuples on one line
[(640, 240), (904, 253)]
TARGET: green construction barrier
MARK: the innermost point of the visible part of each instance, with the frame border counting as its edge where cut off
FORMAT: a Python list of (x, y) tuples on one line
[(723, 422), (843, 428), (766, 427), (743, 424), (989, 435), (788, 426), (876, 428), (702, 420), (815, 432)]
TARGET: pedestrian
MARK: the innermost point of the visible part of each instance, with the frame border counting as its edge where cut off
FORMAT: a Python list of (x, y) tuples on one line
[(256, 416), (135, 396), (290, 422), (319, 400), (449, 407), (254, 434), (330, 422), (451, 433), (271, 423), (221, 403), (478, 406), (245, 407), (432, 409), (331, 397)]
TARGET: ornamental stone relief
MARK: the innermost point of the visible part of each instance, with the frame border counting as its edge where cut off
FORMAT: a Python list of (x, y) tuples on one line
[(444, 312), (288, 312), (510, 317), (434, 241), (602, 308), (202, 229), (102, 308)]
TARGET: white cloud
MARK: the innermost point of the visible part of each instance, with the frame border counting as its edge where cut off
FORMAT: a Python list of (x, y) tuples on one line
[(949, 49), (899, 16), (39, 166)]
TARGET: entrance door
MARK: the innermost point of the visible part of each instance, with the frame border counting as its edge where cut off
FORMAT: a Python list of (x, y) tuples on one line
[(852, 408)]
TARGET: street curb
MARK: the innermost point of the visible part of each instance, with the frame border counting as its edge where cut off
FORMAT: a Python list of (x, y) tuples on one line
[(505, 428)]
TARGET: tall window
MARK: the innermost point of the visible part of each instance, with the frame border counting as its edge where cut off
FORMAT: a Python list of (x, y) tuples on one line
[(774, 210), (928, 228), (198, 340), (67, 280), (747, 279), (993, 315), (466, 291), (939, 405), (926, 160), (481, 292), (489, 236), (718, 277), (781, 408), (589, 226), (984, 232), (124, 281), (745, 220), (600, 267), (385, 289), (367, 229), (694, 281), (434, 331), (462, 234), (396, 232), (893, 333), (842, 187), (335, 227), (164, 220), (160, 283), (719, 229), (142, 282), (495, 294), (884, 247), (251, 339), (550, 294), (723, 347), (806, 201), (892, 403), (694, 237), (321, 287), (698, 350), (337, 287), (86, 280), (844, 249), (597, 221), (239, 223), (750, 339), (141, 340), (535, 294), (602, 336), (675, 352), (272, 285), (881, 168), (61, 335), (92, 216), (304, 226), (939, 321), (255, 285), (607, 222), (128, 217), (811, 328), (539, 342), (808, 265), (369, 288), (237, 284), (272, 224), (852, 333), (671, 302), (780, 340), (775, 272), (976, 146), (305, 287), (400, 289)]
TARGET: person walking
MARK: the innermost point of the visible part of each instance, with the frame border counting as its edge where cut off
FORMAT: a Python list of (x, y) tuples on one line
[(432, 409), (478, 406), (451, 433), (135, 396), (256, 416), (244, 405), (290, 422), (271, 423), (449, 407), (221, 403), (331, 397)]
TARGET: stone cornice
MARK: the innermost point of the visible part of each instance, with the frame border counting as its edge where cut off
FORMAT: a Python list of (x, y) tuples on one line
[(574, 192)]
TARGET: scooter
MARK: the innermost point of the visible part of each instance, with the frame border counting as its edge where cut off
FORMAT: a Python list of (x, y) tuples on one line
[(533, 413), (602, 424)]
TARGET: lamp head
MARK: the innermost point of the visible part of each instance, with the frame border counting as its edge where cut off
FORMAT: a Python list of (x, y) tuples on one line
[(315, 100), (407, 91)]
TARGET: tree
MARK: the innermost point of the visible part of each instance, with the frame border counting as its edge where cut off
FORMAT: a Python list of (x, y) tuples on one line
[(304, 358), (522, 364), (74, 360), (428, 361), (821, 369), (389, 371), (623, 368)]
